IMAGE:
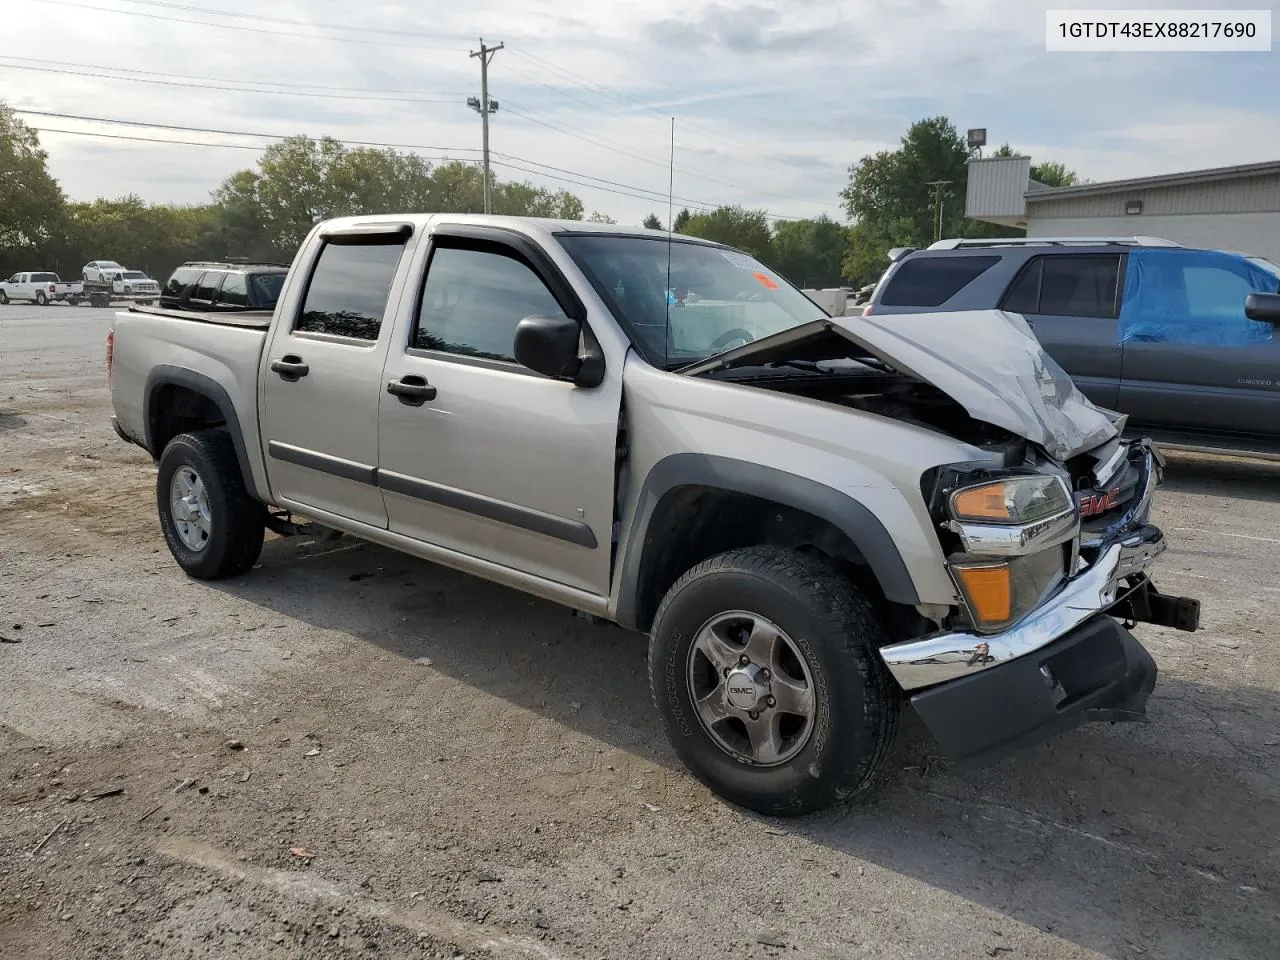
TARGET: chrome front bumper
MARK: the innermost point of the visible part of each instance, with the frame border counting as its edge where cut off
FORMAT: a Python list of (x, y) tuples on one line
[(948, 656), (953, 654)]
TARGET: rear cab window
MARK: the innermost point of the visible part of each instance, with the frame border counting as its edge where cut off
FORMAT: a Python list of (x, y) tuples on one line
[(349, 287), (932, 281)]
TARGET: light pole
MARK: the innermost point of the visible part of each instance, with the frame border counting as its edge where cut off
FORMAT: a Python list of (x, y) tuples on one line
[(937, 205)]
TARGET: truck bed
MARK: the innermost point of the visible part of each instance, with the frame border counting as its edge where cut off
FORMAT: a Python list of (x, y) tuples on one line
[(254, 319)]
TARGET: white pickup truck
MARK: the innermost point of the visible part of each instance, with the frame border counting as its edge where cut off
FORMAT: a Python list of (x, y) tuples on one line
[(41, 288), (818, 520)]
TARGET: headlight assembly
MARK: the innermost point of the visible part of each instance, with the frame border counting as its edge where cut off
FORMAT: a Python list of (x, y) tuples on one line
[(1013, 500)]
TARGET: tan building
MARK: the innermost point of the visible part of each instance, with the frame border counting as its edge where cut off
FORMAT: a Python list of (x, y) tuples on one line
[(1227, 208)]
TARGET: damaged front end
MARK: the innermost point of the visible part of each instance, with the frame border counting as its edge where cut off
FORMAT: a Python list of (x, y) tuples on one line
[(1048, 540)]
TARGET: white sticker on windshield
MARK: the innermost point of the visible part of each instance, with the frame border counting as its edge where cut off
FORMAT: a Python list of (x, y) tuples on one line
[(739, 260)]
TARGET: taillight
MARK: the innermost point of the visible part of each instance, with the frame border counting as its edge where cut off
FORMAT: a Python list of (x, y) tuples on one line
[(111, 351), (52, 288)]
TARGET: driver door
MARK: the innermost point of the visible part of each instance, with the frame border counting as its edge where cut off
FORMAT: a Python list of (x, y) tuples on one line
[(479, 454)]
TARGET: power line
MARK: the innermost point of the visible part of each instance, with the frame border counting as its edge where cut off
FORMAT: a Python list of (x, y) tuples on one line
[(230, 89), (627, 152), (510, 161), (182, 76), (247, 29)]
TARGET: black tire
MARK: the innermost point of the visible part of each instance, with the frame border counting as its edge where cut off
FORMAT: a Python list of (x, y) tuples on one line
[(41, 299), (4, 298), (835, 628), (237, 520)]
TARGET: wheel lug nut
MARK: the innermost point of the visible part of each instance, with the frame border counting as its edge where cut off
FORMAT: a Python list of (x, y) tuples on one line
[(764, 674), (754, 715), (744, 660), (770, 701)]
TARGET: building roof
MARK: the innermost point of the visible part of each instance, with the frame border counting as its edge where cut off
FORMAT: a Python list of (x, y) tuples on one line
[(1035, 193)]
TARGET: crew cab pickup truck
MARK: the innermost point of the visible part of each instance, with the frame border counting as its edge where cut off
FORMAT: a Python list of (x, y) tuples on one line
[(816, 519), (39, 288)]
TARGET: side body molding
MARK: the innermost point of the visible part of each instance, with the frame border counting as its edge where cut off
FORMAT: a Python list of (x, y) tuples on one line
[(843, 512)]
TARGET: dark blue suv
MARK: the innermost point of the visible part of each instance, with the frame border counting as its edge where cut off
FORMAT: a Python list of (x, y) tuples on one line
[(1144, 326)]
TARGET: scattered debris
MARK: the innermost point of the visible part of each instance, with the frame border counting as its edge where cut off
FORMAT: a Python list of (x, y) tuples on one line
[(235, 744), (103, 794), (244, 777), (4, 639), (359, 576), (47, 623), (653, 808), (155, 809), (47, 837), (996, 951), (540, 920), (186, 784), (425, 661), (277, 937), (313, 752), (771, 940), (302, 853)]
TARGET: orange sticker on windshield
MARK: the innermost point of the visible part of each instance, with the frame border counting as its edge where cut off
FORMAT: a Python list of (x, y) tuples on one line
[(765, 280)]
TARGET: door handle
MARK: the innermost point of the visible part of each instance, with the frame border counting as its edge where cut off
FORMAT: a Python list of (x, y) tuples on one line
[(412, 390), (290, 367)]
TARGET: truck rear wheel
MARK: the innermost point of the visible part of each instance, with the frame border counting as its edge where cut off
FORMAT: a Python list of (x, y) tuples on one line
[(213, 526), (762, 663), (41, 299)]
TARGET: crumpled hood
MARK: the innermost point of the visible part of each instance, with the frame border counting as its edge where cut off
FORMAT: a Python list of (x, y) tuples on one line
[(988, 361), (991, 363)]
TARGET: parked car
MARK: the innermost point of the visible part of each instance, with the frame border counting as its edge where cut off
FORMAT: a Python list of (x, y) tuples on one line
[(815, 518), (1144, 326), (42, 288), (224, 286), (101, 271)]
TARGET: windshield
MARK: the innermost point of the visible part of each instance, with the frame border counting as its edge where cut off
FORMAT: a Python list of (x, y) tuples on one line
[(706, 300), (267, 287), (134, 275)]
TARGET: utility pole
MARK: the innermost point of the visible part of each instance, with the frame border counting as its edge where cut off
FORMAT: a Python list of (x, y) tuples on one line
[(484, 106), (937, 205)]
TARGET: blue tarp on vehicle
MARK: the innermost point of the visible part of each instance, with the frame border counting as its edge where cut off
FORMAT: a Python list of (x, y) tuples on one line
[(1172, 295)]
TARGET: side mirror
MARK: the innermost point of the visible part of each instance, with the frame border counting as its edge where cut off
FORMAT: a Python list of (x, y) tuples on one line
[(549, 345), (1264, 307)]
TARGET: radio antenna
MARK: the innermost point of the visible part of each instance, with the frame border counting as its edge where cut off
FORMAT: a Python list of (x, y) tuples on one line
[(667, 294)]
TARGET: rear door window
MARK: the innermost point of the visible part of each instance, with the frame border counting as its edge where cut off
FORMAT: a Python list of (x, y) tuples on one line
[(932, 281), (349, 288), (181, 279), (207, 287), (235, 291), (1079, 285)]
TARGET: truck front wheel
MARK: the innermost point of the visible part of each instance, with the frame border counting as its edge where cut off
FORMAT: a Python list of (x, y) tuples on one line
[(762, 663), (213, 526)]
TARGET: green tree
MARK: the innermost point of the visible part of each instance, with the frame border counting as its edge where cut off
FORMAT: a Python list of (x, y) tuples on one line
[(681, 221), (598, 217), (748, 230), (1053, 174), (891, 202), (651, 222), (810, 253), (31, 202)]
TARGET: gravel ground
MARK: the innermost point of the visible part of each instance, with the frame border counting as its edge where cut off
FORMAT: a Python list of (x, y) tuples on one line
[(353, 753)]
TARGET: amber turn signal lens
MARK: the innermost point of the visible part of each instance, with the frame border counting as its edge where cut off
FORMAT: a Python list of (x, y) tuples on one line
[(989, 591), (988, 502)]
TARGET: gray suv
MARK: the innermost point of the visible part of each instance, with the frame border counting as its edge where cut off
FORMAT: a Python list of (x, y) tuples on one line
[(1144, 326)]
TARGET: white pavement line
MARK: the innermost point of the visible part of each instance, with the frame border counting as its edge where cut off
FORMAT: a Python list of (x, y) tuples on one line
[(1223, 533), (306, 886)]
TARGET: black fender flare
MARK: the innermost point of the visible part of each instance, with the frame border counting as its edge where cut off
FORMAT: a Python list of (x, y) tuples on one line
[(854, 519), (163, 375)]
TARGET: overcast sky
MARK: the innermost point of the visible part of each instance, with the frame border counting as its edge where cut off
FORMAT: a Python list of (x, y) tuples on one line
[(773, 99)]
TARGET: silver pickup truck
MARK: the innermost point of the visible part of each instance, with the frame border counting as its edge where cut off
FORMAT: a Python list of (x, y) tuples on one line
[(816, 519)]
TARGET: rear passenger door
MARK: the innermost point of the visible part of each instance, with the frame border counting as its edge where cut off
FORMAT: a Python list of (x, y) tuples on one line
[(1072, 303), (321, 376)]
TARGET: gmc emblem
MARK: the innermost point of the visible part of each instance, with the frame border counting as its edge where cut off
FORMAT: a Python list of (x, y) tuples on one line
[(1094, 504)]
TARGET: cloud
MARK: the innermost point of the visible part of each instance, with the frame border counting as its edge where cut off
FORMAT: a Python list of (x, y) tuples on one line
[(773, 100)]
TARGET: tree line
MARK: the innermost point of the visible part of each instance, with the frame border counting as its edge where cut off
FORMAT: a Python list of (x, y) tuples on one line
[(264, 213)]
